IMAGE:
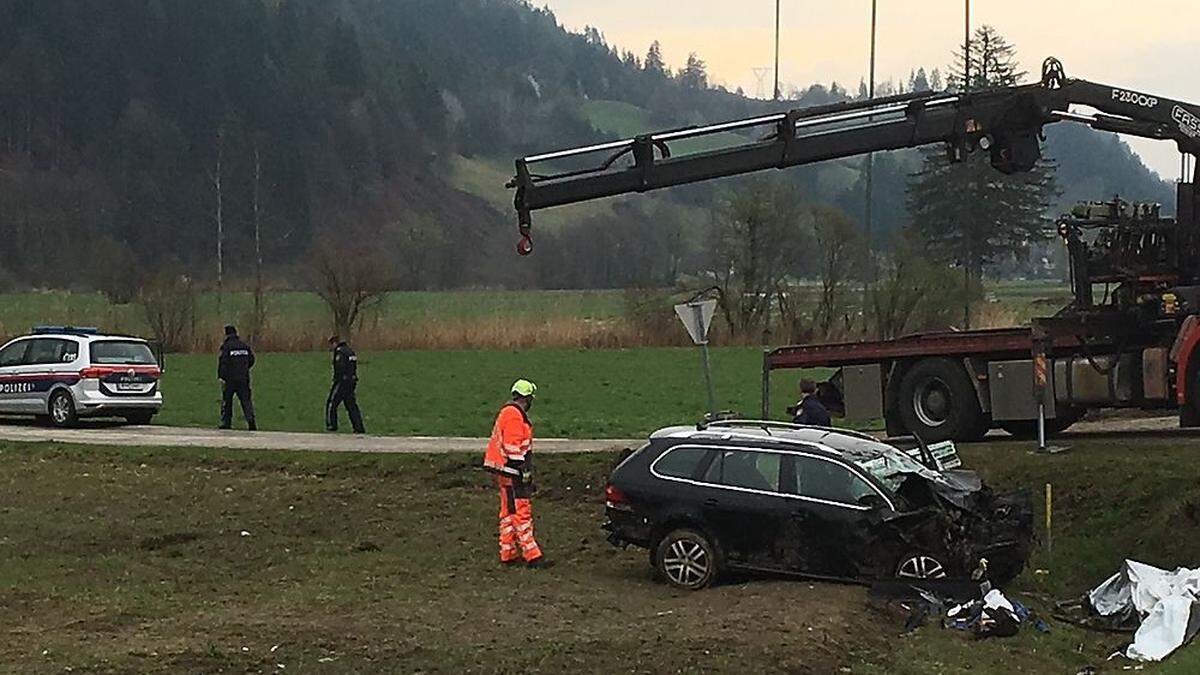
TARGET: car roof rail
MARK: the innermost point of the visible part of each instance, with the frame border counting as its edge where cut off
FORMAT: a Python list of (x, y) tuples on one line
[(767, 425), (64, 330)]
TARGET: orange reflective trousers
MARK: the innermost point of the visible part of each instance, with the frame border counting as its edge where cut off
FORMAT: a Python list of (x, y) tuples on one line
[(516, 525)]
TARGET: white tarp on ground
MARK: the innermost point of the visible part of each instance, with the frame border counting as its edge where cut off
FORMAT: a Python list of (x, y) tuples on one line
[(1167, 604)]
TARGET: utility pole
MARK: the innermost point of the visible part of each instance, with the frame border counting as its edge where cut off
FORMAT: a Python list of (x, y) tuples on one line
[(967, 50), (778, 93), (967, 87), (870, 159)]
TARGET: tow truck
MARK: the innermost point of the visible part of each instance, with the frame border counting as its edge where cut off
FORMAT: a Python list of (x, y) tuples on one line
[(1137, 346)]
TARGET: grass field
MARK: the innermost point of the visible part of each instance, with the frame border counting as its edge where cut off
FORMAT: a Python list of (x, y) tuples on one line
[(143, 560), (582, 393)]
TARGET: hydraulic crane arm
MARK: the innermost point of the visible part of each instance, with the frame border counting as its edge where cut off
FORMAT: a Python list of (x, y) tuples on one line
[(1006, 122)]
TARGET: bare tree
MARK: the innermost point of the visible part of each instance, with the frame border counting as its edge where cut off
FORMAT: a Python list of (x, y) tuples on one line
[(754, 238), (912, 292), (169, 303), (840, 244), (351, 276), (258, 321), (216, 177)]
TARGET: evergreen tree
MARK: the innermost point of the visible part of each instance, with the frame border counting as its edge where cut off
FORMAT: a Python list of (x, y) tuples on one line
[(695, 74), (919, 81), (654, 60), (968, 213), (993, 62)]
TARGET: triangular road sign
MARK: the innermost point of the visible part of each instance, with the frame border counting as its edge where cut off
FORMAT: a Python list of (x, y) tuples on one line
[(697, 318)]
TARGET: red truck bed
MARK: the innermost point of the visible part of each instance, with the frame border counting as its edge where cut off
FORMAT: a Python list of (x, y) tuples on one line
[(999, 342)]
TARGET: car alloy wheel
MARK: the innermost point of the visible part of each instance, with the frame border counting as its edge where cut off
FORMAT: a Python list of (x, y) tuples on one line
[(920, 567), (687, 560), (61, 411), (686, 563)]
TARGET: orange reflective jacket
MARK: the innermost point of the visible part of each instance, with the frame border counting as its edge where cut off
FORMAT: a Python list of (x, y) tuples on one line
[(512, 438)]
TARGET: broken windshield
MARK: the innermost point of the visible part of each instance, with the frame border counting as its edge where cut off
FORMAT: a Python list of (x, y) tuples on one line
[(891, 467)]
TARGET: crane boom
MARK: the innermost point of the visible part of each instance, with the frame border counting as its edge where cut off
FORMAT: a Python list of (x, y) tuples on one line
[(1006, 122)]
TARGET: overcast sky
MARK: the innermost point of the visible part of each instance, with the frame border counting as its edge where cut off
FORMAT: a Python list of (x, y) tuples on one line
[(1149, 45)]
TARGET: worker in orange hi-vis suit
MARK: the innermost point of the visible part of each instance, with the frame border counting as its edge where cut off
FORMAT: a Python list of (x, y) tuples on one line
[(509, 456)]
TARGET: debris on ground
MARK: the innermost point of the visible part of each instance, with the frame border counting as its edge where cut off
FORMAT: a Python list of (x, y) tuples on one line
[(1162, 607), (976, 608), (992, 616)]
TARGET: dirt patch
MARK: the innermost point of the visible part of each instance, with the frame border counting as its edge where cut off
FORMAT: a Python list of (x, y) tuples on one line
[(371, 567)]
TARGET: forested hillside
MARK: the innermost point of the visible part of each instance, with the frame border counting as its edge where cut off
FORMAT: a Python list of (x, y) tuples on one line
[(134, 136)]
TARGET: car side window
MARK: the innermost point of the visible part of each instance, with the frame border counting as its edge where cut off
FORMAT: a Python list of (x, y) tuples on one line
[(745, 469), (820, 479), (680, 462), (46, 351), (14, 354)]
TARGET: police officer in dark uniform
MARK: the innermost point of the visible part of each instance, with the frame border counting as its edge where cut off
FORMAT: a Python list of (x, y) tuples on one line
[(233, 369), (345, 384), (810, 410)]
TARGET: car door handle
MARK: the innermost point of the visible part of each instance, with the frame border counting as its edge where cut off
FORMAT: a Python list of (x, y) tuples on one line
[(711, 502)]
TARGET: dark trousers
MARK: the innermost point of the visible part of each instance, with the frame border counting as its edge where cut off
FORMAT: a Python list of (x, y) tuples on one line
[(343, 392), (242, 391)]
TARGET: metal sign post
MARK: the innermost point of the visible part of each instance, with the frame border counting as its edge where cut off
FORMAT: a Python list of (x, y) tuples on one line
[(1042, 345), (697, 318)]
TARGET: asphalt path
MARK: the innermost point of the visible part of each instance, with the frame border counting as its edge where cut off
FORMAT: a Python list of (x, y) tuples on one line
[(104, 433)]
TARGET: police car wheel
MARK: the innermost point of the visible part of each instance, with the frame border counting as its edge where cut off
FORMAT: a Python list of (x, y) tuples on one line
[(62, 410)]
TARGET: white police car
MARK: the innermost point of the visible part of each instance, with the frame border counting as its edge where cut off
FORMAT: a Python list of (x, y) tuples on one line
[(63, 374)]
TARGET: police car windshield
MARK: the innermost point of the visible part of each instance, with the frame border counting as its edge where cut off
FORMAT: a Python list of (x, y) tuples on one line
[(122, 353)]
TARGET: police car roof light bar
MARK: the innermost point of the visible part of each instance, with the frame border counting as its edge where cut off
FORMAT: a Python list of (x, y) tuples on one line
[(64, 330)]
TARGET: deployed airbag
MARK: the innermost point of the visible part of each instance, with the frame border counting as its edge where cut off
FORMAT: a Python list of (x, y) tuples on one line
[(1164, 605)]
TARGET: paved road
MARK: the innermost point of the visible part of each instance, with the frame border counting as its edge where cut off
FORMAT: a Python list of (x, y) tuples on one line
[(156, 436)]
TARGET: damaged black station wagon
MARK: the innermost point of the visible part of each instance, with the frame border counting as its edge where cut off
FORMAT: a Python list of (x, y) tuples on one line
[(816, 502)]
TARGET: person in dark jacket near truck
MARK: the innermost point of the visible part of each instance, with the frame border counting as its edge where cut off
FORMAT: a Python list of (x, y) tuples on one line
[(345, 384), (233, 369), (810, 411)]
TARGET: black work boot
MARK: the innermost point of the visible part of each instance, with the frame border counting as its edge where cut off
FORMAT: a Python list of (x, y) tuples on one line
[(540, 564)]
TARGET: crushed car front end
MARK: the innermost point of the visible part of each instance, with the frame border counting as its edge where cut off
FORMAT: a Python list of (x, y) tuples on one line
[(950, 515)]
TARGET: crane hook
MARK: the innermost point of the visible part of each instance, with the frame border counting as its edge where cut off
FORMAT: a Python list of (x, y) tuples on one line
[(525, 227)]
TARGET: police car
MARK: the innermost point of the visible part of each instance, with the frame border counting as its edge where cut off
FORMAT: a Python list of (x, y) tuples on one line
[(63, 374)]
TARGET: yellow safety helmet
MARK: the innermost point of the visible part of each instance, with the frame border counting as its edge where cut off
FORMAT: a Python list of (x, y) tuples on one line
[(524, 388)]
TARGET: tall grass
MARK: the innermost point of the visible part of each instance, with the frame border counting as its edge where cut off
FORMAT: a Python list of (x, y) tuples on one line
[(513, 320)]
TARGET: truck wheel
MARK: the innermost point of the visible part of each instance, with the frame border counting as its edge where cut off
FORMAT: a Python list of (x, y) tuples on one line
[(1189, 414), (937, 402)]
